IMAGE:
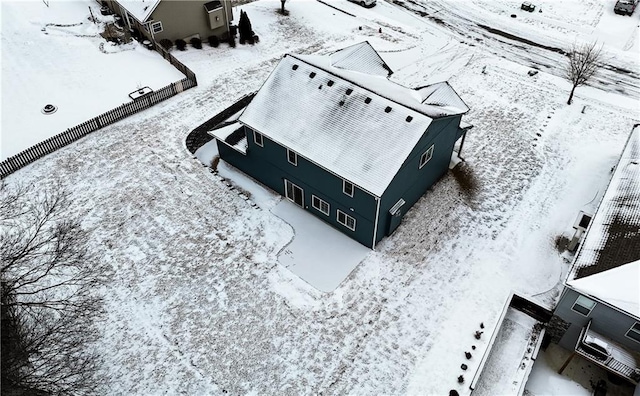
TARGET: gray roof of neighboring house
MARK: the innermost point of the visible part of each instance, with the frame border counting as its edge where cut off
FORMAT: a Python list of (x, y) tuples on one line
[(212, 5), (356, 124), (140, 9), (613, 237)]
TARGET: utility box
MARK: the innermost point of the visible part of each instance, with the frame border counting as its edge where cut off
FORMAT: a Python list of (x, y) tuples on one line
[(528, 6), (580, 226)]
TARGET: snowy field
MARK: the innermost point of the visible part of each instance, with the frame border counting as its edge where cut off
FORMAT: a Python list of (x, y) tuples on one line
[(55, 55), (199, 303)]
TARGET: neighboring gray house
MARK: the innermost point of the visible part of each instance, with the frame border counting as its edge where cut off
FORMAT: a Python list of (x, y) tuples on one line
[(170, 19), (335, 136), (598, 315)]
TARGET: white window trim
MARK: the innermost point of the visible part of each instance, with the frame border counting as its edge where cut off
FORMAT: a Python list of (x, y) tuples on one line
[(286, 194), (631, 329), (255, 139), (319, 207), (426, 157), (344, 188), (295, 156), (153, 27), (576, 302), (346, 217)]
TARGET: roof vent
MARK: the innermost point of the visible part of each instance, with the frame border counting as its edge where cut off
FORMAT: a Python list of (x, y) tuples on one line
[(320, 86), (341, 103), (330, 83), (409, 118), (387, 110), (312, 74), (349, 91), (367, 100), (294, 67)]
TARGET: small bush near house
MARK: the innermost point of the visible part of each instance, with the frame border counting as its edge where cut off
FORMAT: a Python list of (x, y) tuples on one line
[(181, 44), (196, 43), (214, 163), (561, 243), (232, 41), (213, 41), (166, 44), (467, 180)]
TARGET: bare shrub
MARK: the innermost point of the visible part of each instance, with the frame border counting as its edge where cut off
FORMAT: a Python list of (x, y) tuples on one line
[(467, 180), (561, 243), (214, 163)]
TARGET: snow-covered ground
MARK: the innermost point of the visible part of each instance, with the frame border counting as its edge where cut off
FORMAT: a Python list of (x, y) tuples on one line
[(55, 55), (199, 303)]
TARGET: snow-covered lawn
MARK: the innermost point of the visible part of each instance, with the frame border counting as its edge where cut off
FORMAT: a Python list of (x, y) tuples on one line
[(199, 303), (55, 55)]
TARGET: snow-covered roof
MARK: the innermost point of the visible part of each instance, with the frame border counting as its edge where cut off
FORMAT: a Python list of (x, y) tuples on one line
[(617, 286), (232, 134), (613, 237), (360, 57), (384, 87), (441, 94), (362, 127), (140, 9)]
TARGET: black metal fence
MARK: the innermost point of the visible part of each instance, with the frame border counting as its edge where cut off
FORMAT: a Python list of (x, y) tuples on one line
[(60, 140)]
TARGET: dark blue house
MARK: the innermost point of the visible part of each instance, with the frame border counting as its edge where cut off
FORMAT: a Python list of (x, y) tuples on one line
[(598, 315), (335, 136)]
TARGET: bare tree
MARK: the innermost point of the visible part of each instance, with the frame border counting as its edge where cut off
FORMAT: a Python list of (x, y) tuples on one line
[(584, 60), (49, 297)]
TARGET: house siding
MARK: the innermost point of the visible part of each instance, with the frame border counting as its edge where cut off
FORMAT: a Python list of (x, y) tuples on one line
[(607, 321), (180, 19), (269, 165), (410, 183), (184, 19)]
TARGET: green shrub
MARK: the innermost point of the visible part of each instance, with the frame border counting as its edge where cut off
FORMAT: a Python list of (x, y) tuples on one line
[(196, 43), (181, 44), (166, 44)]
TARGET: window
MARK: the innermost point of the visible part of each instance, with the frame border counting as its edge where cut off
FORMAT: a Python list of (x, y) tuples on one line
[(426, 157), (583, 305), (346, 220), (156, 27), (347, 188), (294, 193), (292, 157), (634, 332), (257, 138), (320, 205)]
